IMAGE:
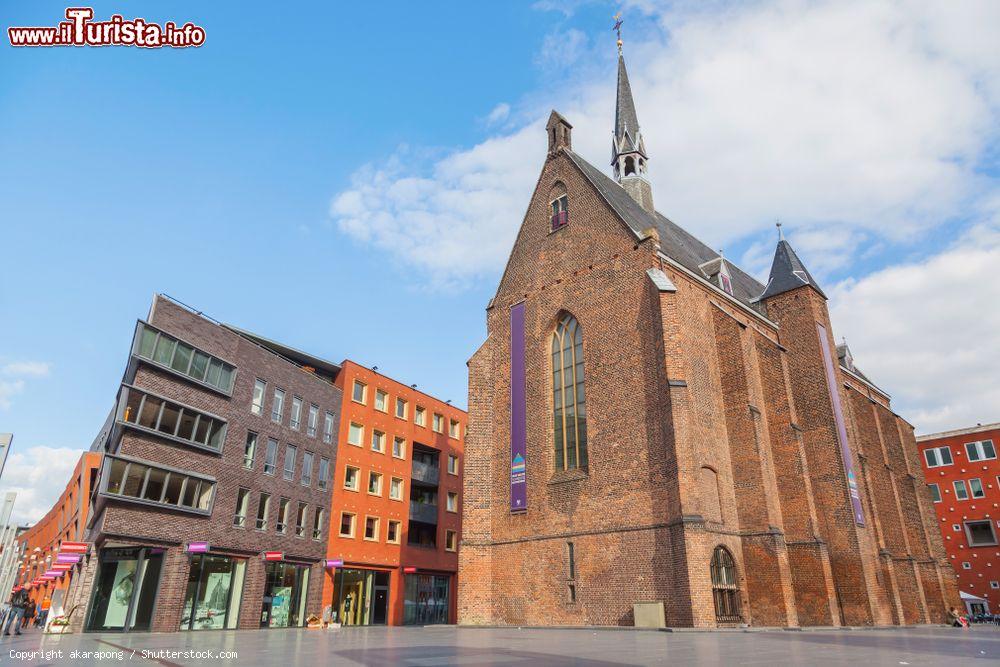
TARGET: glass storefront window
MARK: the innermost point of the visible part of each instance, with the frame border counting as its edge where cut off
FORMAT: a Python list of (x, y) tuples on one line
[(212, 599), (125, 589), (285, 587), (426, 600), (362, 597)]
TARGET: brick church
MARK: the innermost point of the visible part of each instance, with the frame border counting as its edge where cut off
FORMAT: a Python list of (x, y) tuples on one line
[(650, 424)]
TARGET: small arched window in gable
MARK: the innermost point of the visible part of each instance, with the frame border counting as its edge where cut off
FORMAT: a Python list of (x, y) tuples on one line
[(569, 405), (629, 166), (559, 201), (725, 279)]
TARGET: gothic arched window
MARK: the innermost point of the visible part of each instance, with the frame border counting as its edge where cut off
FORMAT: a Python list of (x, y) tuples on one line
[(725, 589), (569, 407)]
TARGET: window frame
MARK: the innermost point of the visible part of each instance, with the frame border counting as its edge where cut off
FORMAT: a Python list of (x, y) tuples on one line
[(357, 478), (123, 413), (242, 501), (448, 505), (399, 531), (966, 525), (374, 474), (568, 374), (980, 451), (960, 483), (395, 440), (137, 346), (453, 469), (401, 486), (361, 432), (263, 502), (257, 408), (364, 392), (937, 454), (105, 479), (329, 423), (375, 532), (288, 473), (972, 488), (295, 415), (379, 436), (406, 408), (250, 450), (278, 406), (451, 535), (312, 420), (384, 396), (420, 416), (935, 492), (306, 477), (268, 451), (354, 524)]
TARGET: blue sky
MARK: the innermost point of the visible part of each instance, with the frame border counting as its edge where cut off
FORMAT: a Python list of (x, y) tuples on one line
[(313, 160)]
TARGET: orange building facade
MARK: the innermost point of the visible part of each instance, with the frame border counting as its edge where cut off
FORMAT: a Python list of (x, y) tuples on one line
[(65, 522), (392, 555)]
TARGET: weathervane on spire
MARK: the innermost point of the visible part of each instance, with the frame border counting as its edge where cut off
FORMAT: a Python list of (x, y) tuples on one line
[(781, 234), (618, 29)]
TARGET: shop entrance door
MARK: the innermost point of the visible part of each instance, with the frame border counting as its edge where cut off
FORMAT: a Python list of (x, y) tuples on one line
[(125, 590), (362, 597), (380, 605)]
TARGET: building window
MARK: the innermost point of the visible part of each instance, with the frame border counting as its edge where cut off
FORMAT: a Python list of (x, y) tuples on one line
[(144, 411), (307, 468), (400, 408), (257, 406), (347, 524), (351, 476), (957, 527), (560, 212), (360, 392), (323, 480), (570, 561), (278, 407), (378, 442), (242, 504), (179, 357), (371, 528), (420, 416), (283, 508), (399, 447), (980, 533), (452, 501), (980, 451), (453, 428), (450, 540), (318, 523), (568, 399), (396, 488), (725, 281), (375, 483), (312, 420), (300, 520), (152, 485), (290, 452), (937, 456), (263, 509), (392, 535), (355, 434), (966, 565), (438, 423), (381, 400), (328, 427), (995, 584), (271, 456), (935, 492), (961, 493), (296, 419), (452, 464), (249, 449), (976, 487), (725, 590)]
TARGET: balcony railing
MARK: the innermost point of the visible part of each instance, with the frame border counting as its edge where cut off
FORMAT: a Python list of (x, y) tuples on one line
[(426, 473), (423, 512)]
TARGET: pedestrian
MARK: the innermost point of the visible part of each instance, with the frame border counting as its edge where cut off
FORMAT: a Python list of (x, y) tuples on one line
[(43, 612), (957, 620), (18, 603), (29, 613)]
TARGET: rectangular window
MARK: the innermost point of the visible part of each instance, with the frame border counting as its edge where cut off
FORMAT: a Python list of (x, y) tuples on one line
[(570, 561), (375, 483), (452, 464), (381, 401), (283, 509), (317, 533), (323, 479), (263, 509), (438, 424), (396, 488), (296, 418), (961, 493), (399, 447), (347, 524), (453, 428), (995, 584), (378, 442), (148, 412), (980, 451), (401, 408), (966, 565), (290, 452), (150, 484), (371, 528), (420, 416), (242, 504), (307, 468), (935, 492), (257, 406), (351, 477), (360, 392), (300, 520), (450, 540), (249, 449), (393, 532), (183, 359), (327, 427), (355, 434), (278, 407), (452, 502), (937, 457), (311, 421), (976, 487), (271, 456)]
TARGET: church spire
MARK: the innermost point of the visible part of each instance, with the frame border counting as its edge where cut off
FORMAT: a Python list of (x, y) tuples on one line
[(628, 150), (787, 272)]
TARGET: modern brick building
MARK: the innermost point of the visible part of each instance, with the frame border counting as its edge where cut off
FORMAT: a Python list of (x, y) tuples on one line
[(963, 473), (396, 523), (65, 522), (649, 423), (213, 500)]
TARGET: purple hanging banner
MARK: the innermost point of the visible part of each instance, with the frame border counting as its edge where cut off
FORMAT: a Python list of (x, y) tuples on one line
[(518, 420), (838, 417)]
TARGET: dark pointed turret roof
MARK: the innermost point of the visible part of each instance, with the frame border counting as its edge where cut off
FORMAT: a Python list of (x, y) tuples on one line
[(627, 136), (788, 273)]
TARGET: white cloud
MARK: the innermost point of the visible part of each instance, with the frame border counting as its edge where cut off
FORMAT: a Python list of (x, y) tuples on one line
[(38, 475), (9, 388), (561, 49), (27, 368), (498, 114), (856, 123), (927, 332)]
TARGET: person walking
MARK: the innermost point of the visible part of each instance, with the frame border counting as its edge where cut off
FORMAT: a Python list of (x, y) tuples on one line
[(29, 613), (18, 603)]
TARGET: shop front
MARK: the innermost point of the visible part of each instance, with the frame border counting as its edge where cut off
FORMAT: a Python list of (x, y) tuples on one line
[(125, 589), (427, 599), (213, 594), (285, 587), (361, 597)]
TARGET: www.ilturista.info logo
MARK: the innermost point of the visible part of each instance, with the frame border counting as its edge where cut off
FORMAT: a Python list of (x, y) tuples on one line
[(80, 30)]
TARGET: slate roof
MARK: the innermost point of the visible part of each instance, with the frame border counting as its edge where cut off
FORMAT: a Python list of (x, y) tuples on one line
[(788, 272), (627, 136), (675, 242)]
